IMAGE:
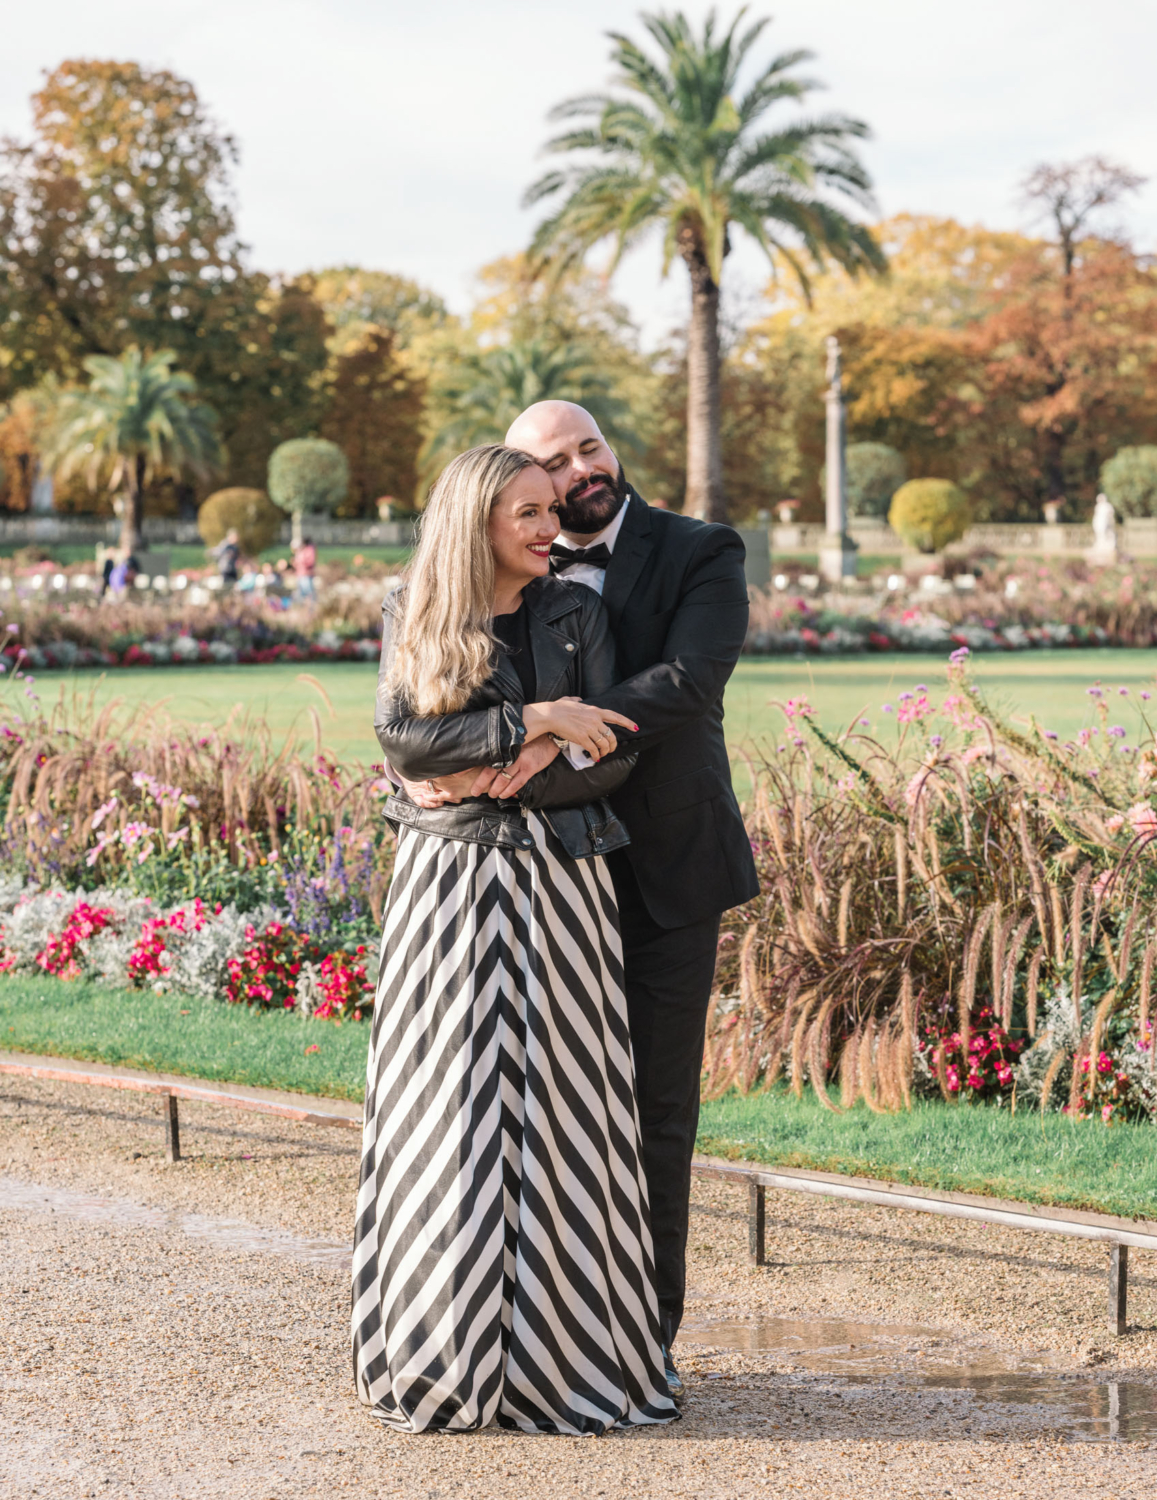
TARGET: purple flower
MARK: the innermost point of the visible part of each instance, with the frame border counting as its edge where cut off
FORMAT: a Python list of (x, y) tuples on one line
[(888, 709), (960, 656), (1146, 696), (905, 697), (12, 629), (1124, 692), (1116, 731), (936, 740), (1095, 692), (1050, 734)]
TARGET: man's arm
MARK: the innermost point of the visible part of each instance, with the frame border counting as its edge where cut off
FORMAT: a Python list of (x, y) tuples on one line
[(702, 645)]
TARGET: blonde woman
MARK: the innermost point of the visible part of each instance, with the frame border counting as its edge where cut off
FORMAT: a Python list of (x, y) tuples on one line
[(503, 1267)]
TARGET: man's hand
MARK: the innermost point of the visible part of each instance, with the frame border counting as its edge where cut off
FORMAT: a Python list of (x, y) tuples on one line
[(434, 794), (534, 757)]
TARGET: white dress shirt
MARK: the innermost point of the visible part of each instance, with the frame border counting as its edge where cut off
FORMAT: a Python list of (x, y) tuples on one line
[(587, 573), (594, 578)]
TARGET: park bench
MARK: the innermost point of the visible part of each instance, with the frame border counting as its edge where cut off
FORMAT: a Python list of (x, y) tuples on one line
[(1118, 1234)]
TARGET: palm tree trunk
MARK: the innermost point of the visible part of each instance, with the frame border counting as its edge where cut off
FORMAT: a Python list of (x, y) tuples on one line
[(705, 498), (132, 518)]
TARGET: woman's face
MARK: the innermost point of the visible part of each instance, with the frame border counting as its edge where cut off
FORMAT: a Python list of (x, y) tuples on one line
[(523, 523)]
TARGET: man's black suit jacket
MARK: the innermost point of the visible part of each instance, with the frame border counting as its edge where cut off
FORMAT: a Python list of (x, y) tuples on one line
[(677, 600)]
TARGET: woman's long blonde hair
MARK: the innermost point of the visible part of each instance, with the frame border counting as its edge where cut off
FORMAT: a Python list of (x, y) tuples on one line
[(443, 641)]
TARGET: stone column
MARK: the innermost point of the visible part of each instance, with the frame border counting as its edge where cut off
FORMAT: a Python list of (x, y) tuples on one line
[(837, 551)]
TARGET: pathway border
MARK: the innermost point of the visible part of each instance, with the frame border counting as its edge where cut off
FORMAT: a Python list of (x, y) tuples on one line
[(1118, 1233)]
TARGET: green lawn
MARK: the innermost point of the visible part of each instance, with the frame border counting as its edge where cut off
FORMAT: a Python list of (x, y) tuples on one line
[(961, 1148), (175, 1034), (958, 1148), (1050, 684)]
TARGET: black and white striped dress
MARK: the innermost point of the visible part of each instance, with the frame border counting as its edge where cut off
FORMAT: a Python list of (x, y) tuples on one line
[(502, 1257)]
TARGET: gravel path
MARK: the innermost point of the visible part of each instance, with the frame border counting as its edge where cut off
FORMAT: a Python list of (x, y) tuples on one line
[(145, 1353)]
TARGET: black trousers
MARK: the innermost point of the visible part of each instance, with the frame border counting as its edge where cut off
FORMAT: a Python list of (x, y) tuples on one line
[(669, 974)]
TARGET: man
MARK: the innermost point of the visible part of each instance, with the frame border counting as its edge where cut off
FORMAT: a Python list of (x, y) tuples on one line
[(675, 593)]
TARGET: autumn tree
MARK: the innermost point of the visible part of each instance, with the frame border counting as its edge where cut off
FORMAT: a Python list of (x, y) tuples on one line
[(117, 228), (374, 415)]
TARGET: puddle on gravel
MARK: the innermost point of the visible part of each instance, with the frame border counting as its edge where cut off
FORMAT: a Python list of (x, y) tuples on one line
[(224, 1234), (922, 1358)]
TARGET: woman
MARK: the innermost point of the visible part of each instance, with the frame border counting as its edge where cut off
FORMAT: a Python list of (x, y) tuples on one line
[(502, 1253)]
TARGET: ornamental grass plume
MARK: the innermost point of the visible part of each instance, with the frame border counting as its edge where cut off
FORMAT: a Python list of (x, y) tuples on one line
[(105, 796), (957, 918)]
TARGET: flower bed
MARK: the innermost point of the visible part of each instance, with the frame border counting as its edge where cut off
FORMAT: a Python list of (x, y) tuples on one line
[(42, 635), (123, 939), (1008, 607)]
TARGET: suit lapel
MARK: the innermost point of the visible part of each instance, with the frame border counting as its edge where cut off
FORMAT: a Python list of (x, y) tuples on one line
[(632, 549)]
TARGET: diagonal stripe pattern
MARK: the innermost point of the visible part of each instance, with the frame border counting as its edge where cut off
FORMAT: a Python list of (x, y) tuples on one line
[(502, 1253)]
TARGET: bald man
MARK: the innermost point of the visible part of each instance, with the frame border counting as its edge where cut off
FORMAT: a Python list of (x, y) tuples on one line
[(675, 593)]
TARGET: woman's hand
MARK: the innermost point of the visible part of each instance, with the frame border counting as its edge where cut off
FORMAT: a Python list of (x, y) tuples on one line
[(572, 719)]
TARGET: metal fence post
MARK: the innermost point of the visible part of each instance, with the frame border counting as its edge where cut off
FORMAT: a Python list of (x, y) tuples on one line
[(756, 1224), (172, 1127), (1119, 1288)]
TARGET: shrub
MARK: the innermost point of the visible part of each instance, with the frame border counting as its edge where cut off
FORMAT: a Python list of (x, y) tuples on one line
[(875, 473), (1129, 479), (256, 519), (929, 513), (307, 474)]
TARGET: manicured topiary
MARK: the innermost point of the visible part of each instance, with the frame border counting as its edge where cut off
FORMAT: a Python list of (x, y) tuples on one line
[(929, 513), (307, 474), (251, 513), (875, 473), (1129, 479)]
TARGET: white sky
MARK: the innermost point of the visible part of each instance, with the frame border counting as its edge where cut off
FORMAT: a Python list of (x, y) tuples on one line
[(401, 136)]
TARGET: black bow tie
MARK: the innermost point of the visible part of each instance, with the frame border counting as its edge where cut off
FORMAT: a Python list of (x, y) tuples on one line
[(597, 556)]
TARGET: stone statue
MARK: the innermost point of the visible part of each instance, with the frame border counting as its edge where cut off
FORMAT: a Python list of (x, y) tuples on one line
[(834, 379), (1104, 530)]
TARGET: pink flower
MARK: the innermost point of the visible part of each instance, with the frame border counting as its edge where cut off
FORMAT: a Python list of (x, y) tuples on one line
[(796, 708), (1106, 1113), (1115, 823), (1142, 819), (1102, 883)]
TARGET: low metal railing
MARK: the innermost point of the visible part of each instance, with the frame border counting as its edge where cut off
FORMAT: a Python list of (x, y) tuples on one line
[(1119, 1234)]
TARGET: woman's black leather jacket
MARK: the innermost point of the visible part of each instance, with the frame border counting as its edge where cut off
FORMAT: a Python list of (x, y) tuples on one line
[(574, 656)]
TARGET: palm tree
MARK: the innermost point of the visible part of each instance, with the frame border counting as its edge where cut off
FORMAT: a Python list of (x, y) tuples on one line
[(136, 420), (681, 152), (481, 394)]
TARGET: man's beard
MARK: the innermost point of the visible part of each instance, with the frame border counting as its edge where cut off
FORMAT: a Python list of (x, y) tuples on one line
[(596, 511)]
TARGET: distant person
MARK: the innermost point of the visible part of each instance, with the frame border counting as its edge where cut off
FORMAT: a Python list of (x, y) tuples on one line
[(109, 563), (228, 554), (305, 566), (123, 575)]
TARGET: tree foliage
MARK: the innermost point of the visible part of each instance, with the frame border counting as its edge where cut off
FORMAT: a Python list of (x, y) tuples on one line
[(681, 150), (374, 407), (137, 419), (1129, 479), (874, 473), (307, 474)]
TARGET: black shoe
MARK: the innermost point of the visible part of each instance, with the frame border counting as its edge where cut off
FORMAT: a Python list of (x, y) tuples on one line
[(675, 1387)]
